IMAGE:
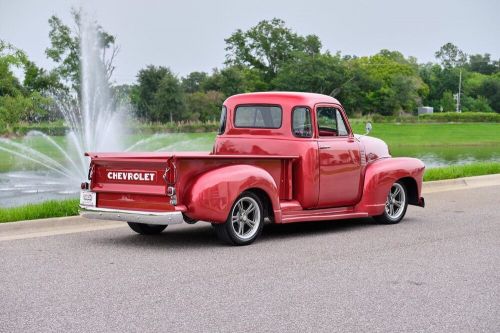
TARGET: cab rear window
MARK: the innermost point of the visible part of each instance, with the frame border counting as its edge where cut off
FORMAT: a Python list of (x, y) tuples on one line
[(258, 116)]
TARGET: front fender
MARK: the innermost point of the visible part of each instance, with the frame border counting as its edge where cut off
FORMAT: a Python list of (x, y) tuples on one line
[(379, 177), (211, 195)]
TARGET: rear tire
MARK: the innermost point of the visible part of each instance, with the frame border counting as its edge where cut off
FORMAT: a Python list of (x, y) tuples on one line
[(244, 222), (146, 229), (395, 205)]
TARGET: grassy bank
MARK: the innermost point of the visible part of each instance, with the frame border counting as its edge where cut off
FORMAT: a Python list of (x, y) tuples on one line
[(39, 211), (459, 171)]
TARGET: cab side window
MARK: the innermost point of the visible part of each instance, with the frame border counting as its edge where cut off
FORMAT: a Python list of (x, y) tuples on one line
[(301, 122), (327, 121), (341, 127), (330, 122)]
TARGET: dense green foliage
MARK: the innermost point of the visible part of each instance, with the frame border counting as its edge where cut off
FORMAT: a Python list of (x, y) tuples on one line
[(22, 100), (267, 56), (40, 211), (270, 56), (459, 171)]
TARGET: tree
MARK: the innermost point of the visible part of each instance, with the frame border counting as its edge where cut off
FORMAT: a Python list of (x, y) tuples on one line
[(483, 64), (384, 83), (318, 73), (18, 102), (268, 46), (235, 80), (451, 56), (65, 49), (158, 95), (490, 89), (38, 79), (194, 81), (168, 99), (204, 106)]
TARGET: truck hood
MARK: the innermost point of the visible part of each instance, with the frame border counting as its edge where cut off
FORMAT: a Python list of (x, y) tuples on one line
[(374, 148)]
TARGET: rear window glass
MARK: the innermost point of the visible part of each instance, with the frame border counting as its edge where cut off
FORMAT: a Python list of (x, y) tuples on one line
[(222, 124), (258, 116), (301, 122)]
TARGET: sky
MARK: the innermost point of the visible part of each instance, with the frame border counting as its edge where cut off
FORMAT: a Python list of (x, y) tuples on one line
[(189, 35)]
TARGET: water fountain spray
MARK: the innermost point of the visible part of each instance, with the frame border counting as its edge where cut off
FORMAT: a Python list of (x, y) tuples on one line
[(94, 119)]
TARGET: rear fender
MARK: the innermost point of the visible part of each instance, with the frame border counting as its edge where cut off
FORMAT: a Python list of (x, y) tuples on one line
[(379, 177), (211, 195)]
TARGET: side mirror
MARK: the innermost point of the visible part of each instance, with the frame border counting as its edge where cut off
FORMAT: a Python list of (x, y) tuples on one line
[(368, 128)]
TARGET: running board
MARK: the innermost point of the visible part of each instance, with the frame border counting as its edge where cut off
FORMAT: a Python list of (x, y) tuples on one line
[(295, 215)]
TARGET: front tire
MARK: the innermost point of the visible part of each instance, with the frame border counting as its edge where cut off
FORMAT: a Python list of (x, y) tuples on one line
[(395, 205), (146, 229), (244, 222)]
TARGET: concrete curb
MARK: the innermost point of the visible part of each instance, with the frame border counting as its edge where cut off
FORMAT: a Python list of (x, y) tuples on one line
[(42, 223), (77, 223), (53, 226), (461, 183)]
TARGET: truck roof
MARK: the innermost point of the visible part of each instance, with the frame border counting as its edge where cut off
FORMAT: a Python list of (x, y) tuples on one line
[(278, 97)]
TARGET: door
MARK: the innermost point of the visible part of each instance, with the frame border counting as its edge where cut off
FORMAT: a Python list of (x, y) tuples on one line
[(339, 159)]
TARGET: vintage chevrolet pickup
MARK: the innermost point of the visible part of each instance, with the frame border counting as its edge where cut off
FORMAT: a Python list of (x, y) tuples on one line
[(288, 157)]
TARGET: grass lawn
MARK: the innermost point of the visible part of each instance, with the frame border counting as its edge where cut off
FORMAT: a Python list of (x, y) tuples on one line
[(459, 171), (39, 211), (459, 134)]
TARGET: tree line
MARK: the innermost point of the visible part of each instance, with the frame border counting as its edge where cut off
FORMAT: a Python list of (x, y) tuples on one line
[(268, 56)]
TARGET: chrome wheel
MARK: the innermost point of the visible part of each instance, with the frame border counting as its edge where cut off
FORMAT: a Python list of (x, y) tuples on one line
[(244, 221), (395, 205), (245, 218)]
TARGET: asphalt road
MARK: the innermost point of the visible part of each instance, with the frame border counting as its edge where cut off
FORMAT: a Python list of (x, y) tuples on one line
[(437, 271)]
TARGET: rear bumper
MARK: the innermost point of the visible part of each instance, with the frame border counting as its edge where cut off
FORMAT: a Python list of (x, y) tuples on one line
[(158, 218)]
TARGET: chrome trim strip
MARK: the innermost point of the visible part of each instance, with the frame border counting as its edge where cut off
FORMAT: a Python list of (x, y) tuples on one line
[(163, 218)]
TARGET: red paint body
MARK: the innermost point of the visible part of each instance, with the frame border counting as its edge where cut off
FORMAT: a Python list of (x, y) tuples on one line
[(300, 179)]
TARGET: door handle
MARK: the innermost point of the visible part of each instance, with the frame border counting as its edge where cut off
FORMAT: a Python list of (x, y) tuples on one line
[(324, 147)]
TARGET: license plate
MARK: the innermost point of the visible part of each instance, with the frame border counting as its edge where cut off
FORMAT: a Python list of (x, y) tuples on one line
[(88, 198)]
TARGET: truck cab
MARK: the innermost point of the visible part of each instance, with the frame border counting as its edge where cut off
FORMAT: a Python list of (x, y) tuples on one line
[(332, 161)]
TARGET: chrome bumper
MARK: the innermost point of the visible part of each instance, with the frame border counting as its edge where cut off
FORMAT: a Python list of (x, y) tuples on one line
[(163, 218)]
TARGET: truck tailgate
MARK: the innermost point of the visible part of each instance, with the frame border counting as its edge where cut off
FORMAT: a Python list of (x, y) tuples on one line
[(130, 181)]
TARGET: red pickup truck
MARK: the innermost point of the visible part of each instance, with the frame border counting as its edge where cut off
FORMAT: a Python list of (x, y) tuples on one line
[(288, 157)]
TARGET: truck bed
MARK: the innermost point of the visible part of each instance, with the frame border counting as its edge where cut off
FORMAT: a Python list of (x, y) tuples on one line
[(139, 181)]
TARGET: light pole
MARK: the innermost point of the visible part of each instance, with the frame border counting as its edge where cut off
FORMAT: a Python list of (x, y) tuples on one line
[(459, 90)]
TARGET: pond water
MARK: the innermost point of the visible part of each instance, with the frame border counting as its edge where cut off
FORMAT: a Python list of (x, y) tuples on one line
[(439, 156), (22, 182), (24, 187)]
